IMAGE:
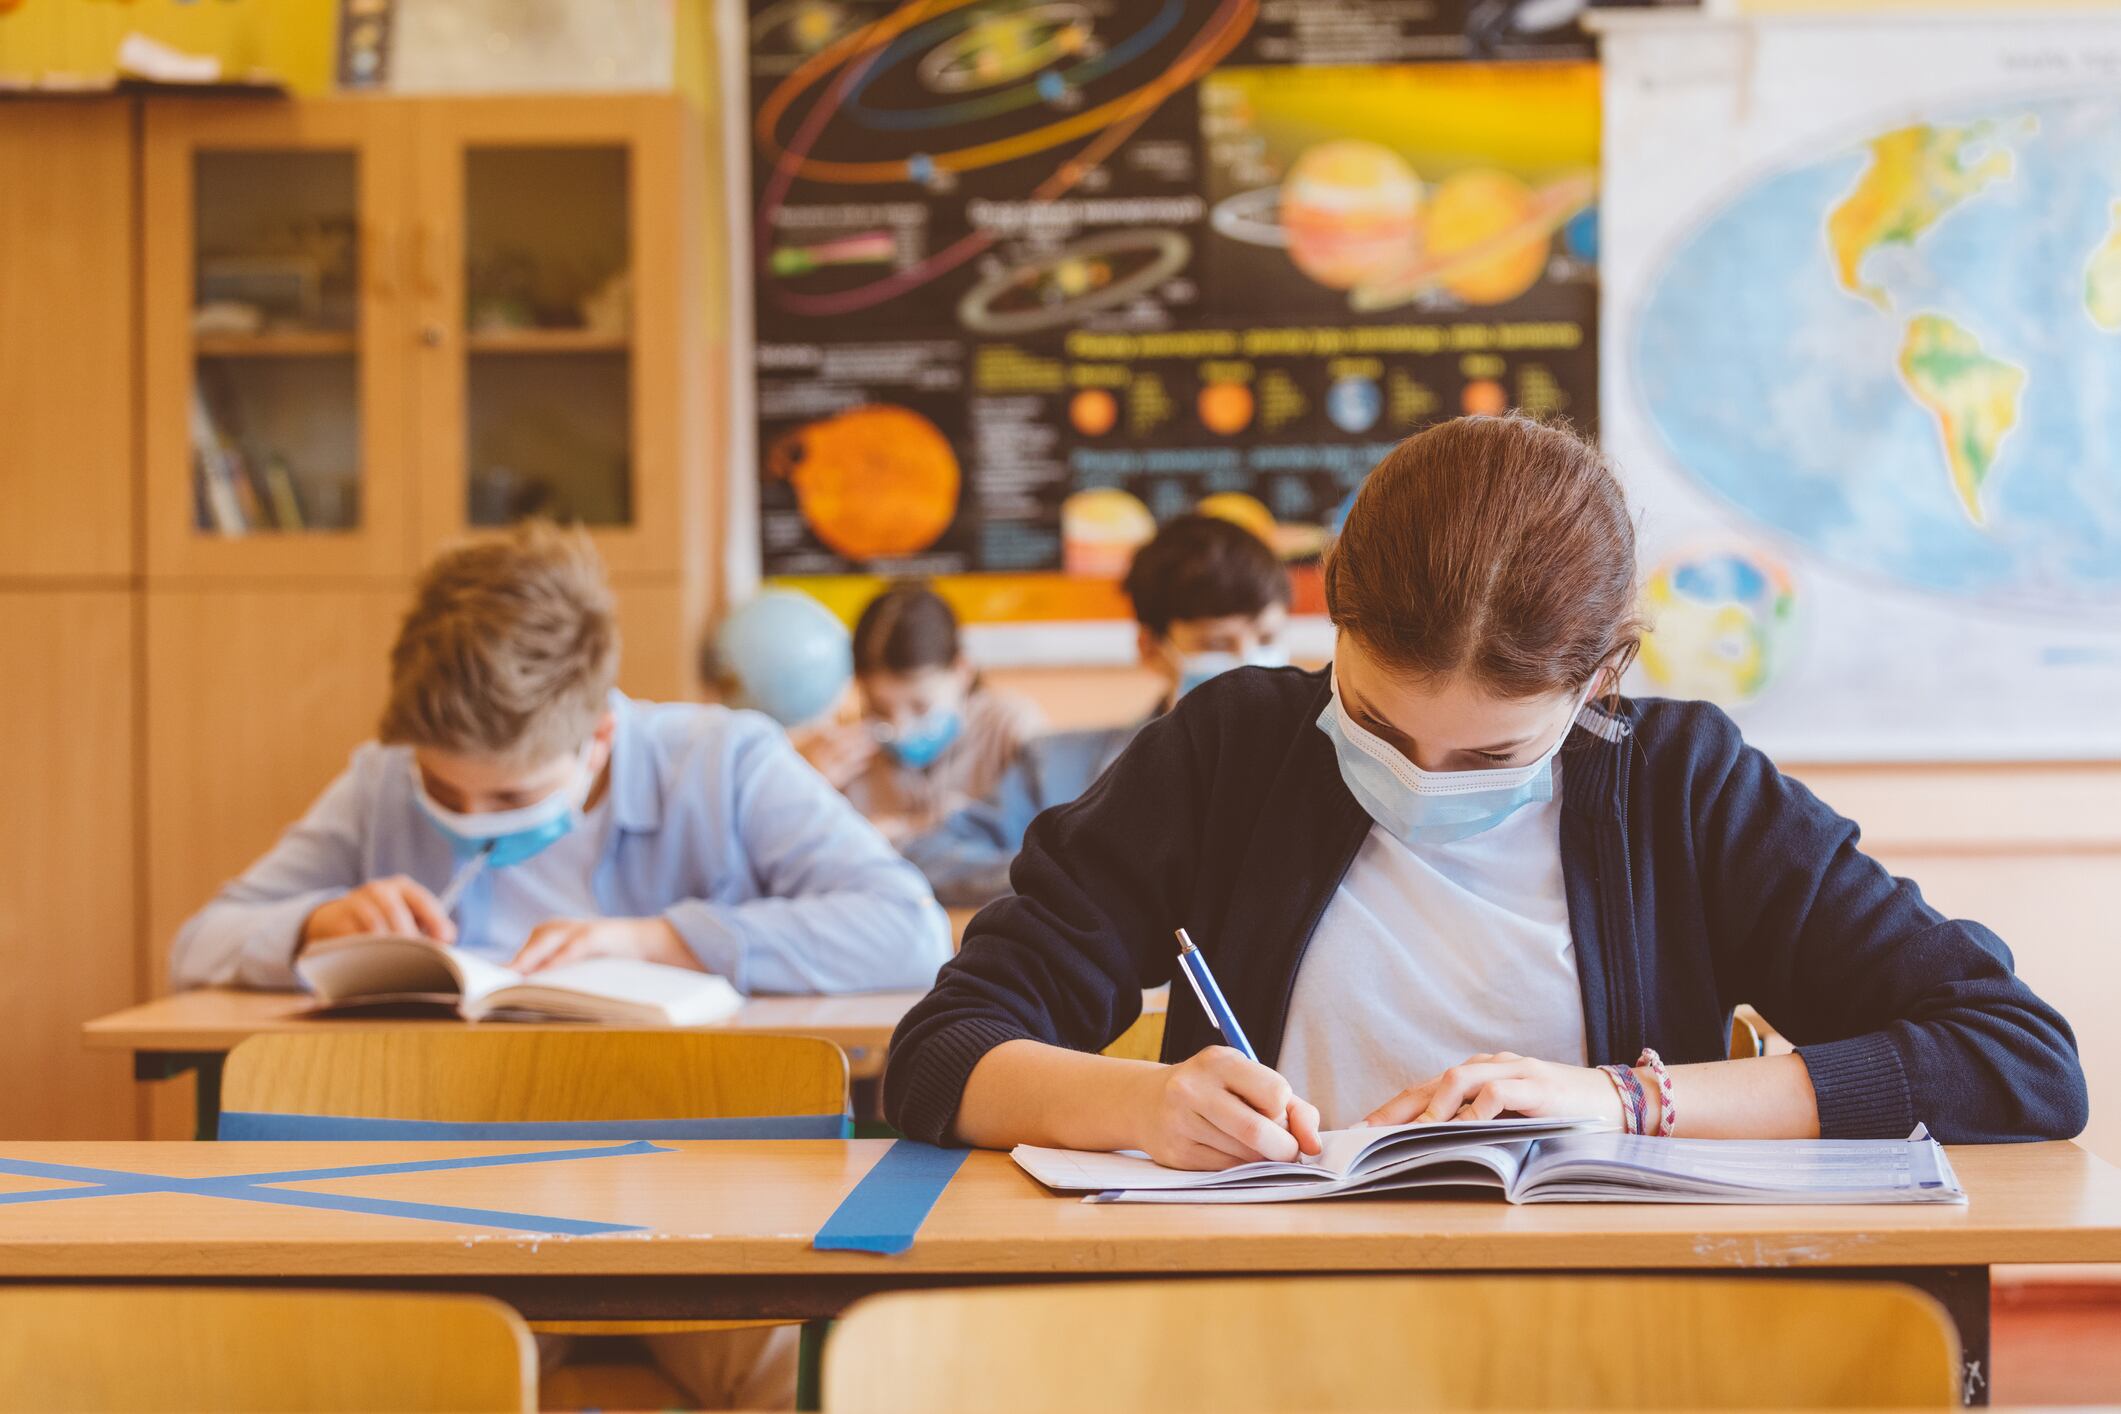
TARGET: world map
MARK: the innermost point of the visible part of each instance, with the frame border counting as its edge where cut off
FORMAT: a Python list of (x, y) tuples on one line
[(1914, 369)]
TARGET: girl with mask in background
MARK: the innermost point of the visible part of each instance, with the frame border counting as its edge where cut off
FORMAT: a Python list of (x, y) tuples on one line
[(932, 735), (1455, 875)]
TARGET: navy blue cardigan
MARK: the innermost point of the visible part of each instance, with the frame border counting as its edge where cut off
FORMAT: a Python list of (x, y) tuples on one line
[(1698, 877)]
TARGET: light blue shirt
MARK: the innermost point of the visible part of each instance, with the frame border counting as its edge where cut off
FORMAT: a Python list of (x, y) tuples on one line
[(770, 876)]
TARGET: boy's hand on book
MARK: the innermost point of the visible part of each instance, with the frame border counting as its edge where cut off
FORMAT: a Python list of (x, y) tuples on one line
[(1486, 1086), (394, 905), (564, 940), (1217, 1108)]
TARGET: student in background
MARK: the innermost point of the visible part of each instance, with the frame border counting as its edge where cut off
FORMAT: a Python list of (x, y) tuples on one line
[(1208, 596), (932, 736), (585, 823), (1457, 875)]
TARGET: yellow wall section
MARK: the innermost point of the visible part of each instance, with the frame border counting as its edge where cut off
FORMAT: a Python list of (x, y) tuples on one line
[(74, 43)]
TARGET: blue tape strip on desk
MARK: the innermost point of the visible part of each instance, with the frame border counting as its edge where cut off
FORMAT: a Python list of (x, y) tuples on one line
[(245, 1126), (891, 1202)]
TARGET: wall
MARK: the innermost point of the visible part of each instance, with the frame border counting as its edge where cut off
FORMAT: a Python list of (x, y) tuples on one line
[(2032, 851)]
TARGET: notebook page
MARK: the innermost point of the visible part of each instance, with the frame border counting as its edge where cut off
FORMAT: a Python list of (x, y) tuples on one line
[(1794, 1170), (622, 988), (1080, 1169), (479, 978)]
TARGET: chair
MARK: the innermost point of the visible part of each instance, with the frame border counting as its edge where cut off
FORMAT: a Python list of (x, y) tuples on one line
[(66, 1348), (475, 1075), (1395, 1342), (1144, 1040), (278, 1084)]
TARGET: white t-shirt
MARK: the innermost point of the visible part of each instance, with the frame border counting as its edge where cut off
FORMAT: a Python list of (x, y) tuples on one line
[(559, 881), (1428, 954)]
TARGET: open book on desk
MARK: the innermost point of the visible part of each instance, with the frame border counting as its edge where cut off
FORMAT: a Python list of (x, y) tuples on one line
[(1532, 1161), (382, 972)]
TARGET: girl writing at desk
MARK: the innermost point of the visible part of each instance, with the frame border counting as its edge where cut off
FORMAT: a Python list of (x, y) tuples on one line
[(1455, 873)]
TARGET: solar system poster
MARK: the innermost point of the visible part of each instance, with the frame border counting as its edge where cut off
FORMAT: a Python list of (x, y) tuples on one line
[(1030, 277)]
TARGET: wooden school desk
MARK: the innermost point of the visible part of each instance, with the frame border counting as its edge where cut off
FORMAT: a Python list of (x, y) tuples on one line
[(196, 1030), (724, 1228)]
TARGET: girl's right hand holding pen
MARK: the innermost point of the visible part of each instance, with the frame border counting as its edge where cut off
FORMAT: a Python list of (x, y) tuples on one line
[(1217, 1108)]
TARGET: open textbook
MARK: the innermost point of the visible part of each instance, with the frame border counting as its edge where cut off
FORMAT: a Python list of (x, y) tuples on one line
[(377, 971), (1532, 1161)]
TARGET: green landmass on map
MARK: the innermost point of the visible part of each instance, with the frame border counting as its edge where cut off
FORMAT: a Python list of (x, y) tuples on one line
[(1973, 396), (1916, 177)]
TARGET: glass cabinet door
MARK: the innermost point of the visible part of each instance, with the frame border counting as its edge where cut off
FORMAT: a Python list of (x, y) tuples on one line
[(547, 322), (548, 318), (273, 330)]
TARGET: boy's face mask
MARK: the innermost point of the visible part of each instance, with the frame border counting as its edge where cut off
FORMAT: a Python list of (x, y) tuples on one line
[(512, 836), (1196, 668)]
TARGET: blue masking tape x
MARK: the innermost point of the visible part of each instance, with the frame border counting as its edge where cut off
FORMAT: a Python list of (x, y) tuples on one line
[(891, 1202), (252, 1188)]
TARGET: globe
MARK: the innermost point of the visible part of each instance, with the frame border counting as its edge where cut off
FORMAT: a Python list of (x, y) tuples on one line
[(1720, 623), (784, 654)]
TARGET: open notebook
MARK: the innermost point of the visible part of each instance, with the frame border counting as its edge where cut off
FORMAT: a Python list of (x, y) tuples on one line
[(1532, 1161), (379, 971)]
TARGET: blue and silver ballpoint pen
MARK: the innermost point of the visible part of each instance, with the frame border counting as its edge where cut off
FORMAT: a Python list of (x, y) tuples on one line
[(1195, 967)]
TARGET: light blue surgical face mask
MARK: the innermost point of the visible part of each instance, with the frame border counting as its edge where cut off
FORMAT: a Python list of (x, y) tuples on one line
[(1196, 668), (510, 836), (1431, 807), (920, 744)]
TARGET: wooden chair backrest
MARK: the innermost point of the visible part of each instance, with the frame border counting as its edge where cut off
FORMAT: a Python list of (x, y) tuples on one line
[(188, 1348), (477, 1074), (1395, 1342)]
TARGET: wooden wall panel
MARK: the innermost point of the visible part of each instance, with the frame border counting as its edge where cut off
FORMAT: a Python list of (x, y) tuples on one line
[(66, 339), (68, 912)]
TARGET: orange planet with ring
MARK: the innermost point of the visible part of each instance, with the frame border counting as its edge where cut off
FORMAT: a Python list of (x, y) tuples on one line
[(873, 481)]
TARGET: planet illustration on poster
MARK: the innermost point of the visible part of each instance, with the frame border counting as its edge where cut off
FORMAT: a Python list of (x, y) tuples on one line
[(784, 35), (1095, 273), (1354, 216), (1721, 619), (1225, 408), (873, 481), (1003, 47), (1354, 404), (1101, 528), (1093, 411)]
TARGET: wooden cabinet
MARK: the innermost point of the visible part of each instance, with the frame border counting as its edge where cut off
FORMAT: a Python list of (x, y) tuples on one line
[(373, 325), (257, 699)]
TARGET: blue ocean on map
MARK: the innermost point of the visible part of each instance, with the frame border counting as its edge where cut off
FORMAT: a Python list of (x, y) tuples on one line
[(1780, 389)]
